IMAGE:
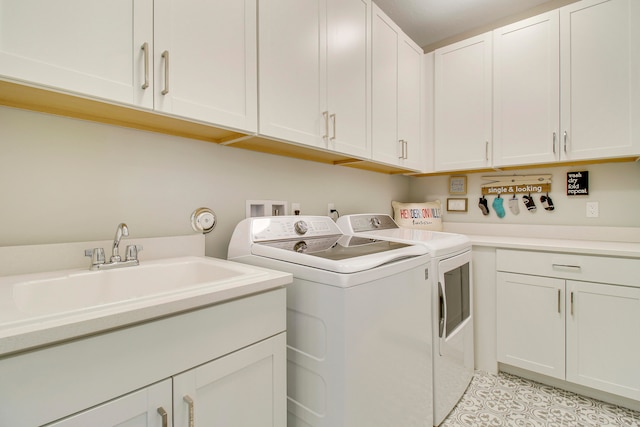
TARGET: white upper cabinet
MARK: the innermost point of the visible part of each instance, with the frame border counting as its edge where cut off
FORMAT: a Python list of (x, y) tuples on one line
[(526, 91), (205, 61), (565, 85), (463, 96), (600, 88), (186, 58), (314, 73), (88, 47), (397, 96), (349, 76)]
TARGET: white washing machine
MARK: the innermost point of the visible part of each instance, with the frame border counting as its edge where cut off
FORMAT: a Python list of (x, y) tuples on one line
[(359, 348), (452, 296)]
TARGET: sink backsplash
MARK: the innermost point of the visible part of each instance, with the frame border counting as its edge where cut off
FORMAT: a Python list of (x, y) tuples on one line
[(63, 256)]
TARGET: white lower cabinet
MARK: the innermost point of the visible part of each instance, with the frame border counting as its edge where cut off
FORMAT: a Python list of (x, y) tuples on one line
[(219, 366), (582, 331), (531, 332), (217, 393), (243, 389)]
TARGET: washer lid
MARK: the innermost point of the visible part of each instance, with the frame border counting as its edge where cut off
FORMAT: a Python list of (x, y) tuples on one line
[(340, 254), (381, 226)]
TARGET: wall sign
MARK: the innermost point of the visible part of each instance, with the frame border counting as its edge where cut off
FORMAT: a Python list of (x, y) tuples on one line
[(578, 183), (457, 205), (516, 184), (458, 185)]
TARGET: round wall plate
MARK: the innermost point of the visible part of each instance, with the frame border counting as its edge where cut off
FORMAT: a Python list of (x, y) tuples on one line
[(203, 220)]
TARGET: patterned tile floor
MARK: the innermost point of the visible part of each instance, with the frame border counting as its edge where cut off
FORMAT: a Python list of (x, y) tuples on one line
[(507, 400)]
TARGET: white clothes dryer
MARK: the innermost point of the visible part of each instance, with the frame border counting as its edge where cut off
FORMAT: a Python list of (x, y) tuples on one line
[(359, 348), (452, 296)]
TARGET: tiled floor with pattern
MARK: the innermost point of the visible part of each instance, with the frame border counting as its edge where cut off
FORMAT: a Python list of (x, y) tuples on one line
[(507, 400)]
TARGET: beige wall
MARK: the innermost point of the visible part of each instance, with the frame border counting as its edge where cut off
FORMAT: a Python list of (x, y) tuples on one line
[(64, 180), (616, 186)]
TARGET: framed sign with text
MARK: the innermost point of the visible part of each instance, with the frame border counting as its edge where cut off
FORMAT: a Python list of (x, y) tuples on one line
[(458, 185)]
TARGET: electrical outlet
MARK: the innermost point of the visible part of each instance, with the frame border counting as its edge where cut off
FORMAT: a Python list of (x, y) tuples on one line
[(593, 210), (295, 208)]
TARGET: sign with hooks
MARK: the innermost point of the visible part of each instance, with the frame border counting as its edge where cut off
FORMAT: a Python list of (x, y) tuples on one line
[(516, 184)]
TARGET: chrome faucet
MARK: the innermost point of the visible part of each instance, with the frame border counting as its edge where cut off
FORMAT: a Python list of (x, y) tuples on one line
[(98, 258), (121, 231)]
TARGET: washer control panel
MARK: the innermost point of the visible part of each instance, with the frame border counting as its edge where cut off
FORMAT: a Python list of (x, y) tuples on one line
[(291, 227)]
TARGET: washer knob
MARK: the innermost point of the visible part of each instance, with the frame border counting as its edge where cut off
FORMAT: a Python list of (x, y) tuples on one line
[(375, 222), (301, 227)]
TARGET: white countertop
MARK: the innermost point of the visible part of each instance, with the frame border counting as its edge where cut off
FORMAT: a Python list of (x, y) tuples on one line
[(604, 241), (590, 247)]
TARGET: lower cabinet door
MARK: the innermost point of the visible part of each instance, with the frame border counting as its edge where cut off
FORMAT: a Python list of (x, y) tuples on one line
[(149, 407), (246, 388), (531, 323), (602, 337)]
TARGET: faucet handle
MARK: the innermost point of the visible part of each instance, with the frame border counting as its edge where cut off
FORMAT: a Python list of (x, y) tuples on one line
[(132, 252), (96, 254)]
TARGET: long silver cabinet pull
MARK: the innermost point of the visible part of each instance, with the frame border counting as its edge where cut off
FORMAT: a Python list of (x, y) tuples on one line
[(404, 149), (554, 143), (564, 136), (325, 115), (164, 415), (165, 57), (572, 303), (333, 120), (190, 405), (145, 49), (566, 267), (559, 300), (486, 150)]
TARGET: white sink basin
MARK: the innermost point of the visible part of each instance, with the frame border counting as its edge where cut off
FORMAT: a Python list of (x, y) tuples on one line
[(66, 291)]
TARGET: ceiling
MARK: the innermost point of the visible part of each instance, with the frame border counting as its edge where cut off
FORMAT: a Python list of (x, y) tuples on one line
[(428, 22)]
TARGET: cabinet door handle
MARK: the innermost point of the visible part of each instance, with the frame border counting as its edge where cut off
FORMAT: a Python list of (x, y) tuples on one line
[(190, 405), (325, 115), (564, 136), (559, 300), (486, 150), (333, 120), (164, 415), (404, 149), (572, 303), (165, 57), (145, 49), (554, 143)]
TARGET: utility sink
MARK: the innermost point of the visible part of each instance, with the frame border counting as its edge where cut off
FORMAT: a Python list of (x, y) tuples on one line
[(41, 308), (85, 289)]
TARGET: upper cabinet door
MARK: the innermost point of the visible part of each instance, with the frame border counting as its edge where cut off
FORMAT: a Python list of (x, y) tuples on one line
[(349, 76), (292, 82), (206, 61), (396, 103), (600, 65), (410, 60), (463, 74), (89, 47), (526, 92)]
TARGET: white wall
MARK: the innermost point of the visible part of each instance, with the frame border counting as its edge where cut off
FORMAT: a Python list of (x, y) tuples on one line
[(67, 180), (616, 186)]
